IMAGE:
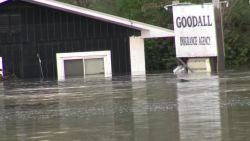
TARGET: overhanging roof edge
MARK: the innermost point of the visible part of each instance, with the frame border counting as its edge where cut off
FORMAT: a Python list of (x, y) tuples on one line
[(102, 16)]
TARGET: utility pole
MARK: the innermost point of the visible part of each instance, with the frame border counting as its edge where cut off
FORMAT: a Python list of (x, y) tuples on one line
[(220, 36)]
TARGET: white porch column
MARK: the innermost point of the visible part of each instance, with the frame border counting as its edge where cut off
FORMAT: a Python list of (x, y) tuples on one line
[(137, 56)]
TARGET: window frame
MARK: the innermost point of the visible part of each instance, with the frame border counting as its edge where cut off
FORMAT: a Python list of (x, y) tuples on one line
[(105, 55)]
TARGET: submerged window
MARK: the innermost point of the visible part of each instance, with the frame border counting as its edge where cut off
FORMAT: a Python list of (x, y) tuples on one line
[(83, 64)]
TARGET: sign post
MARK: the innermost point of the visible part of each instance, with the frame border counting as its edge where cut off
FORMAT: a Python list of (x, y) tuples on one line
[(220, 36)]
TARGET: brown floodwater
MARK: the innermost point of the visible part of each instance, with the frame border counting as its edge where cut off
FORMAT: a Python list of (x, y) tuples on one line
[(156, 107)]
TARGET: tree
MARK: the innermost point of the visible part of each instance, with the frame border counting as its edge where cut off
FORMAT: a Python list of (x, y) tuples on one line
[(82, 3), (237, 33)]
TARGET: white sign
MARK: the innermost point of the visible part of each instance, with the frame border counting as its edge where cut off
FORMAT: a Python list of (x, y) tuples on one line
[(194, 27)]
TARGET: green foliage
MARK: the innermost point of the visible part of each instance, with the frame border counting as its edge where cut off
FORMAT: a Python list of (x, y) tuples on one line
[(160, 55), (148, 11), (129, 8), (237, 33)]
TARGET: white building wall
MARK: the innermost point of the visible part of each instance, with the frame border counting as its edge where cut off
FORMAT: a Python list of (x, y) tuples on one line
[(137, 56)]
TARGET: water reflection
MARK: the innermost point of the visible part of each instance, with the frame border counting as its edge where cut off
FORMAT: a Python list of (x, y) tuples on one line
[(235, 101), (199, 109), (157, 107)]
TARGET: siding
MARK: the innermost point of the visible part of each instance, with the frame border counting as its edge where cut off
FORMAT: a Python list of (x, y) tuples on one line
[(27, 29)]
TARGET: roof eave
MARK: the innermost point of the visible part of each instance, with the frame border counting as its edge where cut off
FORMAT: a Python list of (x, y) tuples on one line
[(147, 30), (156, 34)]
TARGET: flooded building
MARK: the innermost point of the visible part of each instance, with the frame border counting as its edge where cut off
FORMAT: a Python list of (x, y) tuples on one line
[(51, 39)]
